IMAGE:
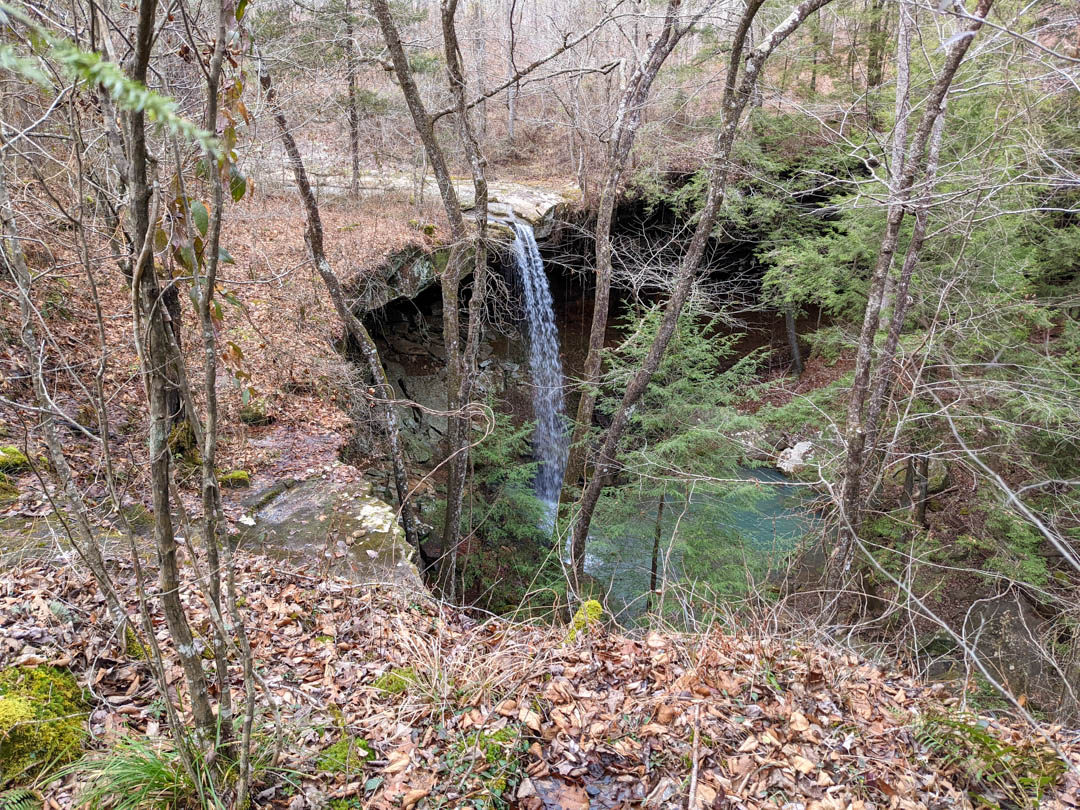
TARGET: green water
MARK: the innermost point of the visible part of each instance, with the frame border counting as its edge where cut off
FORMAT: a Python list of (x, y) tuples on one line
[(710, 543)]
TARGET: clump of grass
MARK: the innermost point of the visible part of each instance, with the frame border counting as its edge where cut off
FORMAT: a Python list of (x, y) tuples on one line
[(134, 775)]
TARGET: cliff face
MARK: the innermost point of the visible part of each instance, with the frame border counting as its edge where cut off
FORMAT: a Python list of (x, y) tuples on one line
[(445, 711)]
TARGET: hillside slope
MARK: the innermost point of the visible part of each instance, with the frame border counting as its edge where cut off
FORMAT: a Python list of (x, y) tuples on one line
[(442, 711)]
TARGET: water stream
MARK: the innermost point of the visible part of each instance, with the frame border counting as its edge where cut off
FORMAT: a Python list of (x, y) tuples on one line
[(550, 442), (717, 536)]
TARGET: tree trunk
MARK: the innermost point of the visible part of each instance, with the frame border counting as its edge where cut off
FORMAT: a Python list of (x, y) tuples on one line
[(855, 430), (733, 105), (512, 90), (354, 102), (479, 43), (876, 41), (460, 367), (155, 360), (793, 341), (627, 121), (313, 236), (455, 73), (657, 533)]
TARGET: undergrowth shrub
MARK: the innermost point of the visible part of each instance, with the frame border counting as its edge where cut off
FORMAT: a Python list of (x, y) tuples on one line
[(994, 772)]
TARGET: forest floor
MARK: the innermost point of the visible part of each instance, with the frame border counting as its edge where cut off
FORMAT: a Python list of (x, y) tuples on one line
[(440, 710), (280, 340)]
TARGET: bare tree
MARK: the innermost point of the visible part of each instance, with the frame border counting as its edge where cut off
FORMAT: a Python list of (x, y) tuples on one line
[(313, 237), (914, 164), (737, 95), (628, 118)]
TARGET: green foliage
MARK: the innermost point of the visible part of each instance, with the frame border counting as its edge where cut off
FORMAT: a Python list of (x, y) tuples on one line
[(396, 681), (995, 773), (829, 343), (1017, 548), (42, 711), (135, 775), (371, 103), (810, 411), (425, 62), (511, 556), (680, 447), (20, 799), (496, 757), (346, 756), (689, 409)]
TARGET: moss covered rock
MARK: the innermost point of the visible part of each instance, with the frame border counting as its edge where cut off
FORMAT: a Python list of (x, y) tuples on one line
[(42, 715), (12, 459), (590, 613), (396, 680), (255, 414), (235, 479)]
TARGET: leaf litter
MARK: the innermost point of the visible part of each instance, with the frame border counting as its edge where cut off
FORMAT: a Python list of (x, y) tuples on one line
[(498, 713)]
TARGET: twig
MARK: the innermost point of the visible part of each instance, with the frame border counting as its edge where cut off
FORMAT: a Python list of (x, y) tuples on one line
[(697, 750)]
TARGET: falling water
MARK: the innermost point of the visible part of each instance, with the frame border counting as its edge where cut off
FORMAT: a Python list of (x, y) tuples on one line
[(549, 441)]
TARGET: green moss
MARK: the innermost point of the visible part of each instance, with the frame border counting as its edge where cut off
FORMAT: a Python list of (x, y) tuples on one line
[(182, 439), (235, 479), (132, 646), (42, 710), (12, 459), (347, 755), (587, 615), (396, 680)]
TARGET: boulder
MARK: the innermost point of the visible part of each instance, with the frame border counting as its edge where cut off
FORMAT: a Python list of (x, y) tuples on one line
[(1006, 634), (337, 526), (792, 458)]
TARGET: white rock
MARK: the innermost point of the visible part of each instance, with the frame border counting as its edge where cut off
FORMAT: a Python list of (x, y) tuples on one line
[(793, 457)]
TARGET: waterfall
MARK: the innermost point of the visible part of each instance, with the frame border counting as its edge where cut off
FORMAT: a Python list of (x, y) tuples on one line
[(550, 444)]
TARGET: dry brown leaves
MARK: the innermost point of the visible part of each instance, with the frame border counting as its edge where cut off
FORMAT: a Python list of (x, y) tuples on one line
[(607, 722)]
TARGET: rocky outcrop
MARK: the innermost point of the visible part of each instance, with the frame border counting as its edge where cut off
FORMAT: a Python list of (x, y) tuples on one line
[(337, 527), (408, 272), (1008, 636)]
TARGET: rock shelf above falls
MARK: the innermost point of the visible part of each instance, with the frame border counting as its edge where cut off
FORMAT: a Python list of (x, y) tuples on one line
[(408, 272)]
